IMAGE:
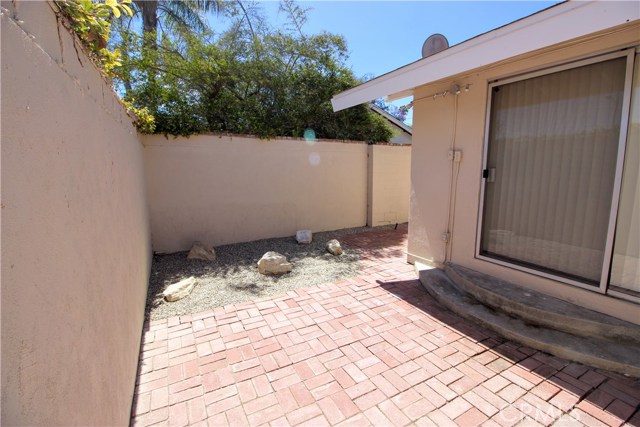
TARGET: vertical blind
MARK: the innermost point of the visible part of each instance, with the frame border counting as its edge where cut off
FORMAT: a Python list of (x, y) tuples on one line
[(625, 267), (553, 143)]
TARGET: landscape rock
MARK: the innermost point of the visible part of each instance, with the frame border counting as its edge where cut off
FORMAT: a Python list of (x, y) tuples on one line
[(274, 263), (333, 246), (177, 291), (202, 251), (304, 236)]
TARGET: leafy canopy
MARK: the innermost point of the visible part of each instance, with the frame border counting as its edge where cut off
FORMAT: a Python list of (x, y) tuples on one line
[(91, 22), (249, 79), (399, 113)]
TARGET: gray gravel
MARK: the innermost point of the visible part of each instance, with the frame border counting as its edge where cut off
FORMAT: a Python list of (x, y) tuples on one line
[(233, 277)]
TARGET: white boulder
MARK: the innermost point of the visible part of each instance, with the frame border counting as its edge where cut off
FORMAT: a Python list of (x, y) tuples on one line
[(202, 251), (274, 263), (304, 236), (179, 290), (333, 246)]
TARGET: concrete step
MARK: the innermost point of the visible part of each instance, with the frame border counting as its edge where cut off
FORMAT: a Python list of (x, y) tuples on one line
[(618, 354), (540, 309)]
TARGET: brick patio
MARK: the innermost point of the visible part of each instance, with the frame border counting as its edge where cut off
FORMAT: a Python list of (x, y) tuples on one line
[(372, 350)]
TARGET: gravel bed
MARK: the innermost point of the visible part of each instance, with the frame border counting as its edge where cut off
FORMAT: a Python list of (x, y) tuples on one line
[(233, 277)]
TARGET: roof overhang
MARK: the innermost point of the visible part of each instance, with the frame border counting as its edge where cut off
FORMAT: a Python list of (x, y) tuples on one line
[(557, 24), (395, 122)]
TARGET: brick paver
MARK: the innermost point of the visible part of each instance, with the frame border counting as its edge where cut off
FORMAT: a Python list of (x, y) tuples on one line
[(375, 349)]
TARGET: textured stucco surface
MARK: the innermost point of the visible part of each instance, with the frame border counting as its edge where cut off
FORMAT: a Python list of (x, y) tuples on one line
[(230, 189), (389, 183), (75, 234)]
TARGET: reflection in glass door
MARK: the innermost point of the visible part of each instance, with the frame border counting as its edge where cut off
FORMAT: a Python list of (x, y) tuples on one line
[(625, 264)]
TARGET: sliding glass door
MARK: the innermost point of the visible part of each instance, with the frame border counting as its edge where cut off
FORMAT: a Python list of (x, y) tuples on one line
[(551, 174), (625, 267)]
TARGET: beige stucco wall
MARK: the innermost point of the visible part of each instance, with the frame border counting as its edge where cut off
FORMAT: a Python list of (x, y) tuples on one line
[(75, 236), (229, 189), (433, 130), (389, 183)]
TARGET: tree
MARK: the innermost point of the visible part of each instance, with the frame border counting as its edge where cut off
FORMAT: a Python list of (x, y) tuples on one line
[(399, 113), (250, 79), (173, 13), (173, 17)]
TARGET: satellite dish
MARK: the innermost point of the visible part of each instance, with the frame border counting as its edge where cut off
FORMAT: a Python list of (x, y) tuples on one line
[(434, 44)]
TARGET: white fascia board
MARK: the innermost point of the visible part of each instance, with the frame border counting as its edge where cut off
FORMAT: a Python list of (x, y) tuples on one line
[(558, 24), (399, 95)]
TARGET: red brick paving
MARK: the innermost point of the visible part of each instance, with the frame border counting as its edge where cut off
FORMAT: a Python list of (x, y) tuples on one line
[(372, 350)]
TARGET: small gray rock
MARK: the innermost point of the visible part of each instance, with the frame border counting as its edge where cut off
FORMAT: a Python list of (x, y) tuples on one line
[(304, 236), (202, 251), (273, 263), (334, 248)]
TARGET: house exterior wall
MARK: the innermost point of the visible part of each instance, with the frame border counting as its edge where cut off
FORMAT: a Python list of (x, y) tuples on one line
[(75, 236), (388, 184), (433, 132)]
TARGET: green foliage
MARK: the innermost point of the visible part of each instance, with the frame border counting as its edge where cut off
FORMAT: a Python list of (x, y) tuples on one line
[(145, 122), (91, 22), (249, 79)]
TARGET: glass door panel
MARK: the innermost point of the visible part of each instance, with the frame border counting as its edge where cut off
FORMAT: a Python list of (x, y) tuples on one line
[(625, 265), (551, 162)]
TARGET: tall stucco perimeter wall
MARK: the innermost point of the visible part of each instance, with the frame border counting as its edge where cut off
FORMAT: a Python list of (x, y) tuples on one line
[(229, 189), (75, 235), (389, 184), (434, 126)]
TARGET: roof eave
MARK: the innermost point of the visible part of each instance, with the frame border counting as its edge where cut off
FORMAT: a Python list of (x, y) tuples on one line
[(558, 24)]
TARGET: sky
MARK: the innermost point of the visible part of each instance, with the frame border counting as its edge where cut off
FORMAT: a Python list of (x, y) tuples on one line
[(385, 35)]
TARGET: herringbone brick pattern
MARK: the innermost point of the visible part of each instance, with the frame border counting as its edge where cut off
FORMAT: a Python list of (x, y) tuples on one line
[(372, 350)]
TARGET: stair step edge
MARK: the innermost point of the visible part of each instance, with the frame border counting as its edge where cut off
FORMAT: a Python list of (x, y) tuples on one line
[(596, 352), (532, 307)]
